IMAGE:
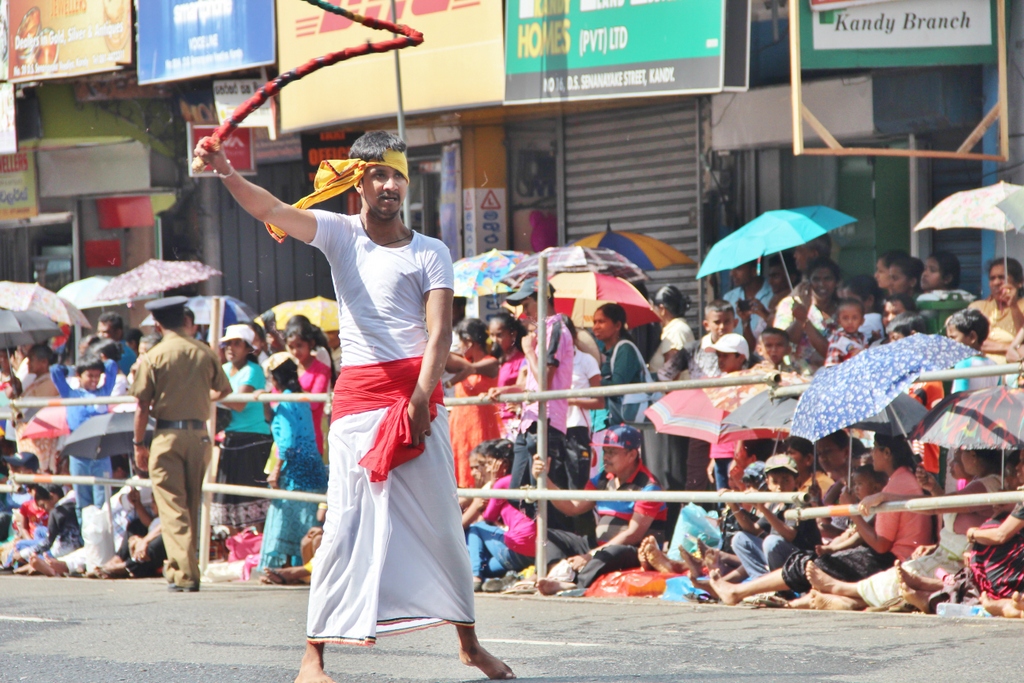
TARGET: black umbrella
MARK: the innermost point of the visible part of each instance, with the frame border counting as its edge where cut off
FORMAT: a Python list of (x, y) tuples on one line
[(764, 412), (25, 327), (103, 436)]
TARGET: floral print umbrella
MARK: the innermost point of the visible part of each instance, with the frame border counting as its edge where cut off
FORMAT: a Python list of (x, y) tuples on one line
[(845, 394), (481, 275), (155, 276), (972, 209), (574, 259), (29, 296)]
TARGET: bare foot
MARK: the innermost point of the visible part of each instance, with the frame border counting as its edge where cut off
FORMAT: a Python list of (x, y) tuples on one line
[(551, 586), (471, 653), (819, 580), (312, 668), (827, 601), (918, 598), (1018, 602), (693, 565), (915, 582), (26, 570), (804, 601), (661, 563), (642, 553), (999, 607), (41, 566), (726, 591), (708, 554)]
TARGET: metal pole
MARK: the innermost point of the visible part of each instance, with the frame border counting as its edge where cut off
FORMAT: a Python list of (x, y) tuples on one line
[(401, 114), (541, 556), (934, 376), (216, 317), (926, 504)]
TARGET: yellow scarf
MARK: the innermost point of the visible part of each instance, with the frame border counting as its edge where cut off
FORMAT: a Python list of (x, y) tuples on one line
[(336, 176)]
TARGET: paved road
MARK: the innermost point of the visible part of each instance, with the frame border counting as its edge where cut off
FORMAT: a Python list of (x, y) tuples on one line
[(78, 631)]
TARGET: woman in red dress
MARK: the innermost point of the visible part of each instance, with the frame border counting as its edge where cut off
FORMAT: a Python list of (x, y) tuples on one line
[(472, 425)]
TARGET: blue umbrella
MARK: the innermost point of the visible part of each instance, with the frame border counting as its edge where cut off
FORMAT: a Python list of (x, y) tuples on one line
[(772, 232), (851, 392)]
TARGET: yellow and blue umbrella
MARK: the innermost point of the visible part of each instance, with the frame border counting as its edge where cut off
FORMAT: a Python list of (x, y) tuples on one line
[(647, 252), (481, 275)]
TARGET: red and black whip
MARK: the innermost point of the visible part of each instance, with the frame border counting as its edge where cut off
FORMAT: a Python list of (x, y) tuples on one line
[(407, 37)]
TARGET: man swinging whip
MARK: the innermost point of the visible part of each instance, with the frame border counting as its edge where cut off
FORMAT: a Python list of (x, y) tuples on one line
[(393, 556)]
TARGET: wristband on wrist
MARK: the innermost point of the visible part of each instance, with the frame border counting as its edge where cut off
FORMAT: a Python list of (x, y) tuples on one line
[(222, 176), (138, 443)]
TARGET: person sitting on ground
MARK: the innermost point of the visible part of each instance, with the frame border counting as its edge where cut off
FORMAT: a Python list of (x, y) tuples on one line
[(983, 466), (846, 339), (864, 289), (894, 536), (141, 553), (1004, 308), (620, 526), (941, 278), (296, 575), (971, 328), (905, 276), (495, 550), (897, 304), (299, 466), (91, 371), (809, 478), (766, 542), (63, 534)]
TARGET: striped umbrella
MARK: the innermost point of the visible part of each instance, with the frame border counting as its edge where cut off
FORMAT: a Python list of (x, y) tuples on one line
[(578, 295), (647, 252)]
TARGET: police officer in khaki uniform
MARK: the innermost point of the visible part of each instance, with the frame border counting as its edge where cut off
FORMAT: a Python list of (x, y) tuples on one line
[(175, 382)]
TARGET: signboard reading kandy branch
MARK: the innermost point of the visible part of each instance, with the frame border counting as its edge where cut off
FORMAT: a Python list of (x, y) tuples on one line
[(181, 39), (18, 197), (579, 49), (458, 65), (898, 33), (62, 38)]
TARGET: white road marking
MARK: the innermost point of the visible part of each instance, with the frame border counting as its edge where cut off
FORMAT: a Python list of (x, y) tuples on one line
[(33, 620), (508, 641)]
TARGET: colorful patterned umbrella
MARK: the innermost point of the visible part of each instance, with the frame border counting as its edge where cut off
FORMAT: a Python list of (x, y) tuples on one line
[(575, 259), (647, 252), (700, 413), (155, 276), (321, 312), (984, 418), (770, 233), (83, 293), (578, 295), (481, 275), (30, 296), (972, 209), (842, 395)]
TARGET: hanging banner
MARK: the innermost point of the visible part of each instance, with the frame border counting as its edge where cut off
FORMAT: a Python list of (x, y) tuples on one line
[(459, 64), (18, 196), (566, 50), (180, 39), (898, 33), (8, 125), (63, 38), (228, 95)]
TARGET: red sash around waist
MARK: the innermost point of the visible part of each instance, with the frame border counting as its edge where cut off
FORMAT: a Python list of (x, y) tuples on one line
[(362, 388)]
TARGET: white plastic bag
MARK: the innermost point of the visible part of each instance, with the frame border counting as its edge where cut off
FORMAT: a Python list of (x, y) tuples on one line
[(97, 536)]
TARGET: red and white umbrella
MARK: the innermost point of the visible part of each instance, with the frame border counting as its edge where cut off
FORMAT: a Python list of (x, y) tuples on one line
[(578, 295)]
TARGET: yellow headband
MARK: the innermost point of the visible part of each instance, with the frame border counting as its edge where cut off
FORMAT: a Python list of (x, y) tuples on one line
[(336, 176)]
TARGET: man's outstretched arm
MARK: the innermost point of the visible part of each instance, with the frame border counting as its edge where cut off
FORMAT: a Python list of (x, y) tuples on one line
[(259, 203)]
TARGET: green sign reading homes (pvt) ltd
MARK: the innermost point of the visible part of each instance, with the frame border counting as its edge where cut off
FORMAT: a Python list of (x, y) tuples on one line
[(580, 49)]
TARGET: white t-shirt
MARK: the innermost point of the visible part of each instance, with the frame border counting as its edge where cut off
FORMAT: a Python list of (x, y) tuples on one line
[(583, 368), (380, 290)]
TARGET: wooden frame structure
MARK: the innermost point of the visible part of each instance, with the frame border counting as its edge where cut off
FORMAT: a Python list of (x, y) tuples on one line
[(801, 113)]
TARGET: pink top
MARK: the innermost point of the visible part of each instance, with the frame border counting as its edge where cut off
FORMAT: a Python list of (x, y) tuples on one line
[(508, 375), (906, 530), (521, 536), (317, 380), (560, 354)]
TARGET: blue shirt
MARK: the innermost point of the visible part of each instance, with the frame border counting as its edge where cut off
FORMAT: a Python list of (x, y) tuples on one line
[(302, 468), (79, 414), (975, 382), (250, 419), (128, 358)]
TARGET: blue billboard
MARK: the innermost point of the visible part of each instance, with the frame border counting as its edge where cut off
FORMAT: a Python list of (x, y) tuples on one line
[(181, 39)]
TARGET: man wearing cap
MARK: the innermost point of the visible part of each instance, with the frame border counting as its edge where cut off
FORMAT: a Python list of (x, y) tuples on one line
[(765, 543), (621, 526), (393, 556), (175, 383), (560, 353)]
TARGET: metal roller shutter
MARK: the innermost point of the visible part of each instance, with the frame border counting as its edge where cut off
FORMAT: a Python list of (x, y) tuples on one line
[(637, 169)]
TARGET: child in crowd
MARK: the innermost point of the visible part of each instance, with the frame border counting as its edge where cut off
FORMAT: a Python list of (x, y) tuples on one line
[(864, 289), (776, 351), (970, 327), (941, 278), (927, 394), (719, 320), (493, 549), (846, 340), (896, 304)]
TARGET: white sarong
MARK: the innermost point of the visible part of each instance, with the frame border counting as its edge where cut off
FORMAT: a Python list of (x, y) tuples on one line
[(393, 557)]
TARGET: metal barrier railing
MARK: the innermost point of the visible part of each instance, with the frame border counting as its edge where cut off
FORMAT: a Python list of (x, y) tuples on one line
[(924, 505)]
